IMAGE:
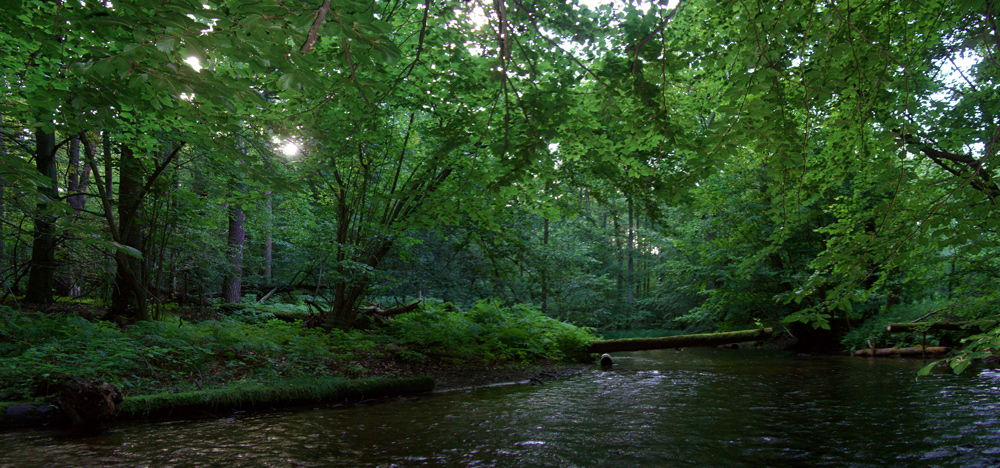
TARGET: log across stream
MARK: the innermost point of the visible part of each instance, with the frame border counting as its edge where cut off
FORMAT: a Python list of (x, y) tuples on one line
[(679, 341)]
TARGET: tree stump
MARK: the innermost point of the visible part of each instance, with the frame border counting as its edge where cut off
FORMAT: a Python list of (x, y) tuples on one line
[(607, 362), (88, 402)]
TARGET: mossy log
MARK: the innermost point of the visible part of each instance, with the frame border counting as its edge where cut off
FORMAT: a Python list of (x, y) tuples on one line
[(913, 351), (974, 325), (253, 397), (322, 390), (679, 341)]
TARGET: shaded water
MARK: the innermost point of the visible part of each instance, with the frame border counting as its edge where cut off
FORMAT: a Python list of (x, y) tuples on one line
[(657, 408)]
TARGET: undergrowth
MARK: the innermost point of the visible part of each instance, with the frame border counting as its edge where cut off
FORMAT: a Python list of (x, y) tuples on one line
[(873, 331), (489, 331), (173, 355)]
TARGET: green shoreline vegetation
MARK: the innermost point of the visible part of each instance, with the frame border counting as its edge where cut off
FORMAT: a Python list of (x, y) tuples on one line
[(250, 359), (238, 193)]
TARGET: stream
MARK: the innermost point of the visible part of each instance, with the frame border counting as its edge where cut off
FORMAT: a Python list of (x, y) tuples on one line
[(695, 407)]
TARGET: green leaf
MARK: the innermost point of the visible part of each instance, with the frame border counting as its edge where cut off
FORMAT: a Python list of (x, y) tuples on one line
[(132, 47), (166, 44), (926, 370)]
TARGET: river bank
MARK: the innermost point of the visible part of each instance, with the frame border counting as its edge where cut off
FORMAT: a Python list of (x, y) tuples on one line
[(226, 354), (380, 377)]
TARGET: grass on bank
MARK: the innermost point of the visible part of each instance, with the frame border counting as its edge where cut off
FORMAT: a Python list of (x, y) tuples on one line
[(175, 355)]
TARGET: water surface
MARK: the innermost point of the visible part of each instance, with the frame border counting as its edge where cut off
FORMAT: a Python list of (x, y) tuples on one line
[(697, 407)]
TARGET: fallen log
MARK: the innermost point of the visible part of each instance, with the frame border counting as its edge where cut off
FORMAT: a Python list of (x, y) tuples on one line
[(913, 351), (933, 326), (679, 341), (390, 312)]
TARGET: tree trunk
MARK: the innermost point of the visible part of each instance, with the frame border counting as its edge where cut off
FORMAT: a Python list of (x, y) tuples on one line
[(620, 256), (76, 183), (128, 296), (42, 266), (268, 234), (545, 267), (679, 341), (234, 255), (630, 286), (3, 206)]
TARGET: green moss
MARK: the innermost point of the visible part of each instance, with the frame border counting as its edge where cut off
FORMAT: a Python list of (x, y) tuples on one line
[(255, 396)]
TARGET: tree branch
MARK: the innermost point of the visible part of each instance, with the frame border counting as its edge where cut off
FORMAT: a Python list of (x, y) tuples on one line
[(985, 183), (651, 35), (314, 30)]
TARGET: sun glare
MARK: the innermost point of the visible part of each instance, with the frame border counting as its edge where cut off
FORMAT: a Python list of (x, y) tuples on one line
[(289, 148), (194, 63)]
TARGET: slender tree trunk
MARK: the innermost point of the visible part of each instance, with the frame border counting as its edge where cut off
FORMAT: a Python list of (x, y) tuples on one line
[(545, 266), (619, 255), (233, 282), (42, 266), (630, 287), (108, 162), (268, 234), (128, 297), (76, 184), (108, 196), (79, 175), (3, 206)]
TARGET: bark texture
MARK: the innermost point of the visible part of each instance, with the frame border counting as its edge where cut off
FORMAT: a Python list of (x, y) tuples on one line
[(232, 285), (680, 341), (42, 269)]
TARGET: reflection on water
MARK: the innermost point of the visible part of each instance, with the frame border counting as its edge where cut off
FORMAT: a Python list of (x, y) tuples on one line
[(656, 408)]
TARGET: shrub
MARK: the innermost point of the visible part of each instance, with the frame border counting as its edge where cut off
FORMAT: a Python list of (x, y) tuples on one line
[(490, 331), (149, 357)]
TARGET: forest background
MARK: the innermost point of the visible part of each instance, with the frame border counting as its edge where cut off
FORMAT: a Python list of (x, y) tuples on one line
[(822, 167)]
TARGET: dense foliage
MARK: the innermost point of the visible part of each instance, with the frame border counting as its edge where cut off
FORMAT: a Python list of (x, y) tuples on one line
[(699, 165), (176, 355)]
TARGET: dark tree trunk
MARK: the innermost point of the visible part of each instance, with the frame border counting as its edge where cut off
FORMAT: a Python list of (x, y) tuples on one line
[(3, 206), (42, 266), (266, 270), (76, 184), (234, 254), (128, 297), (630, 284), (620, 256), (79, 175), (545, 267)]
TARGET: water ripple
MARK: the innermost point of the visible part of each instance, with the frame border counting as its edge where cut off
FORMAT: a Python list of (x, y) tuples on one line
[(661, 408)]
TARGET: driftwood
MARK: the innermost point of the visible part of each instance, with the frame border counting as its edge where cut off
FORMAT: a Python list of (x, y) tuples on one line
[(390, 312), (266, 296), (911, 327), (913, 351), (679, 341), (370, 312)]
